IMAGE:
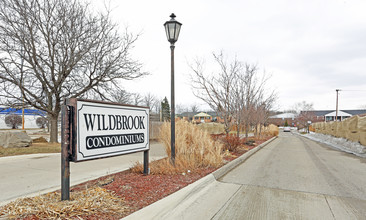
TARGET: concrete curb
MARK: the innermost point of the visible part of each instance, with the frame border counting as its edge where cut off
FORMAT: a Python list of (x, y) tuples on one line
[(26, 156), (163, 207)]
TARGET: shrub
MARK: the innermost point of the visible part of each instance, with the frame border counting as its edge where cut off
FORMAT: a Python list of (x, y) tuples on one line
[(194, 149), (13, 121), (41, 122), (231, 142)]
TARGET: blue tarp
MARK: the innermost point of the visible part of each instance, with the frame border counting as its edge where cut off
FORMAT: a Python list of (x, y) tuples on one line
[(6, 111)]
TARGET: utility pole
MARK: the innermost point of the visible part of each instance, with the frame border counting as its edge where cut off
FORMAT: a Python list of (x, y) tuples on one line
[(336, 118), (22, 86)]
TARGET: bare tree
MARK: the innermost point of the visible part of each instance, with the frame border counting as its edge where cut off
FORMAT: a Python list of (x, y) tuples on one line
[(235, 91), (194, 107), (255, 99), (57, 49), (121, 96), (150, 101), (179, 108), (261, 113), (302, 106), (304, 117), (304, 112), (157, 106), (136, 99), (216, 89)]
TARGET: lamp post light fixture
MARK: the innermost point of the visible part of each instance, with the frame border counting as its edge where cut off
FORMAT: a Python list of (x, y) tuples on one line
[(172, 29)]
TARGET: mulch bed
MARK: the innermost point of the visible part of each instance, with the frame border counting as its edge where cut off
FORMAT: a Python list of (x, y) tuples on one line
[(139, 191)]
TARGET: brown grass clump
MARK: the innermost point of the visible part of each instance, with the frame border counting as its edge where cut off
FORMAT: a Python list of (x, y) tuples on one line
[(49, 206), (35, 148), (272, 130), (40, 140), (194, 149)]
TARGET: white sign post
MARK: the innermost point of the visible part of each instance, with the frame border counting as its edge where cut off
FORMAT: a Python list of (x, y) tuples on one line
[(94, 129)]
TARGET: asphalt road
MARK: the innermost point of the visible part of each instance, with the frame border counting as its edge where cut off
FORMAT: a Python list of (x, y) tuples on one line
[(290, 178), (296, 178), (30, 175)]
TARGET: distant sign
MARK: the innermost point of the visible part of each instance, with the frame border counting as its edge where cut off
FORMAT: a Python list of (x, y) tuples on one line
[(105, 130)]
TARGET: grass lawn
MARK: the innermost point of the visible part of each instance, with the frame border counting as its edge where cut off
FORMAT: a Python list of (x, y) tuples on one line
[(35, 148)]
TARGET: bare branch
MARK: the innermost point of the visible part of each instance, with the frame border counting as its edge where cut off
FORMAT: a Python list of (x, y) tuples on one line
[(56, 49)]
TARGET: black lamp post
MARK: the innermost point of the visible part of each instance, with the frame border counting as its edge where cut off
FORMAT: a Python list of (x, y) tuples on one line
[(172, 29)]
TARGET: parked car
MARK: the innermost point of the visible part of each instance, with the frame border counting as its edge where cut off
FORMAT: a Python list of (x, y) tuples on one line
[(286, 129)]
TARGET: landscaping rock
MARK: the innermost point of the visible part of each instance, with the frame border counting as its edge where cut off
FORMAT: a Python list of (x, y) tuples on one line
[(15, 139)]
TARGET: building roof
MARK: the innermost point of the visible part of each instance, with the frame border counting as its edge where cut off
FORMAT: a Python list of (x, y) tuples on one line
[(284, 115), (6, 111), (340, 113), (356, 112), (321, 112), (202, 114), (188, 114), (326, 112), (191, 114), (213, 114)]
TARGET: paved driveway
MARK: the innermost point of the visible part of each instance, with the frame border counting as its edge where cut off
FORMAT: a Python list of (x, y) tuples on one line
[(296, 178), (290, 178)]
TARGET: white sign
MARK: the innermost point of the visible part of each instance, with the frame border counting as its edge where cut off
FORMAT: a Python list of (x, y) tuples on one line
[(105, 130)]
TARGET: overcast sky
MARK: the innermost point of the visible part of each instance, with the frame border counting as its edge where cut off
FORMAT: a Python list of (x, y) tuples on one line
[(310, 47)]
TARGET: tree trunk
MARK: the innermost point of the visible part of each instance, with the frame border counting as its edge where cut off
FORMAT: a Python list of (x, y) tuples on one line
[(227, 126), (256, 130), (54, 128), (246, 130), (238, 130), (260, 130)]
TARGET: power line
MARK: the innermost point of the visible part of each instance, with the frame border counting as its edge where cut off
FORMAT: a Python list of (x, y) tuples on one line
[(351, 90)]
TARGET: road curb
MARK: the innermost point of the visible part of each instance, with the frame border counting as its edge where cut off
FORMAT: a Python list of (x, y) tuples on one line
[(219, 173), (162, 208)]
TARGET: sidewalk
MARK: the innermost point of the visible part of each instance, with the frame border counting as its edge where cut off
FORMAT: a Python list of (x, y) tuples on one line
[(202, 199), (31, 175)]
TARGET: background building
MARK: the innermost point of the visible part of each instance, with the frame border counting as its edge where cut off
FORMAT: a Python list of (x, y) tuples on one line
[(30, 117), (329, 115)]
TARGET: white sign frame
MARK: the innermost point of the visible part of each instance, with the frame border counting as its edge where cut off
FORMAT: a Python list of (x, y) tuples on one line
[(109, 129)]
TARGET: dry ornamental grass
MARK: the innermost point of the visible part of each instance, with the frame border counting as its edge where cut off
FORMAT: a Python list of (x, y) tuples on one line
[(194, 149)]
